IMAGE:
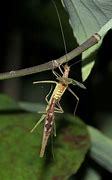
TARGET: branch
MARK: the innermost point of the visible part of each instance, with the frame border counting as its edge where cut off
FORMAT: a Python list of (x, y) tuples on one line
[(53, 63)]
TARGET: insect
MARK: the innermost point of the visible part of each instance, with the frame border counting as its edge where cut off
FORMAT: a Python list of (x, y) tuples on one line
[(54, 105)]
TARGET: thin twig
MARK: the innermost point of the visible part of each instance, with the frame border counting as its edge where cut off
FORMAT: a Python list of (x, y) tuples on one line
[(53, 63)]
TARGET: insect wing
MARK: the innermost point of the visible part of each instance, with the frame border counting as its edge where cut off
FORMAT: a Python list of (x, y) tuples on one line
[(76, 83)]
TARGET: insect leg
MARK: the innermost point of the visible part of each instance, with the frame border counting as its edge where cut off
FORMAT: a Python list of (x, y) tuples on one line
[(77, 98), (47, 81), (58, 109), (60, 70), (55, 73), (54, 128), (46, 98), (40, 120), (52, 146), (41, 112)]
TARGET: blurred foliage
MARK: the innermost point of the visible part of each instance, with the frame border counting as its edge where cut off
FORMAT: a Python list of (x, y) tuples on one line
[(99, 150), (19, 149)]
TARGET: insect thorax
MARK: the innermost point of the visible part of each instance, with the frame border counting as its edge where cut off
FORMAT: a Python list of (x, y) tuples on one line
[(64, 81)]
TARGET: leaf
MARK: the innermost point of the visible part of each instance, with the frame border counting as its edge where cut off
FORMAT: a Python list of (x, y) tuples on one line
[(32, 107), (19, 149), (88, 61), (87, 18), (105, 28), (70, 147), (90, 54), (101, 149), (7, 103), (92, 174)]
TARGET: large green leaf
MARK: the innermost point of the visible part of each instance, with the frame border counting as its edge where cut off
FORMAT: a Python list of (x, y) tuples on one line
[(71, 145), (19, 149), (87, 18), (101, 149)]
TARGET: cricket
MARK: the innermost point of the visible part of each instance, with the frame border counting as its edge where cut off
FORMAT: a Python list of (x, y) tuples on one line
[(53, 103)]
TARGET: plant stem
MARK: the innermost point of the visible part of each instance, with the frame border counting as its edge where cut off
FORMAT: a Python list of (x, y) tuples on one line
[(53, 63)]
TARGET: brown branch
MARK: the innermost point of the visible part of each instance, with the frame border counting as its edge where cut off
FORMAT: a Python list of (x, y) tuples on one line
[(53, 63)]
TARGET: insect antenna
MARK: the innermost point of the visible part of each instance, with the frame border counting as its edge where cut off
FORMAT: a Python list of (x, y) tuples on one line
[(75, 63), (61, 27), (63, 35), (52, 146)]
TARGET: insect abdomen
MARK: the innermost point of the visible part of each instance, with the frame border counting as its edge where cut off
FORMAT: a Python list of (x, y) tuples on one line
[(59, 91)]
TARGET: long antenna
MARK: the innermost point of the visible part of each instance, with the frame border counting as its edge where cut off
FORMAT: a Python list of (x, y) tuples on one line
[(62, 32), (61, 27)]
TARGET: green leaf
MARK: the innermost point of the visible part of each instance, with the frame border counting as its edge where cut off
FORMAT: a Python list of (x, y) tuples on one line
[(88, 62), (92, 174), (101, 149), (89, 55), (32, 107), (19, 149), (7, 103), (71, 145), (87, 18), (105, 28)]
